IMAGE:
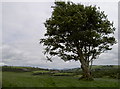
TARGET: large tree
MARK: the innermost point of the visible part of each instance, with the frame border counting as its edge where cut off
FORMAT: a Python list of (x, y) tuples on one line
[(78, 32)]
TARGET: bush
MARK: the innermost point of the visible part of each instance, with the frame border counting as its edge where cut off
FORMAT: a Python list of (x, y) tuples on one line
[(40, 72), (112, 73)]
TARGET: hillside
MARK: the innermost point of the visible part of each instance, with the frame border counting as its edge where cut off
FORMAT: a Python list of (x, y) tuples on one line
[(104, 76)]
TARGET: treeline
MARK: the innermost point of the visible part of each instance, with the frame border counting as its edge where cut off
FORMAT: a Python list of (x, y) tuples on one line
[(99, 71), (112, 73), (20, 69), (109, 71)]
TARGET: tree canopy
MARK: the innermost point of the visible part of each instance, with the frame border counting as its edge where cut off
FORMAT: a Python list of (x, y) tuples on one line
[(78, 32)]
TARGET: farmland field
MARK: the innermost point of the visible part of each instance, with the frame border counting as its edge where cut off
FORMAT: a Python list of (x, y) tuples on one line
[(0, 79), (12, 76), (26, 79)]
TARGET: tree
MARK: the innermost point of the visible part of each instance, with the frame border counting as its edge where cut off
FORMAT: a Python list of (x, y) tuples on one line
[(78, 32)]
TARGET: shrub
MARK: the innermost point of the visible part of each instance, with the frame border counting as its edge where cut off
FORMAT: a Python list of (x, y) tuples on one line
[(40, 72)]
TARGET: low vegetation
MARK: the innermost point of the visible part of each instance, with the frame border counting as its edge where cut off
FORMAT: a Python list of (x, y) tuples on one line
[(63, 74), (59, 78), (0, 78), (41, 72)]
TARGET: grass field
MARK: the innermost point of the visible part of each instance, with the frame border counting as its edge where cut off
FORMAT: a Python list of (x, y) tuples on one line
[(26, 79), (0, 79)]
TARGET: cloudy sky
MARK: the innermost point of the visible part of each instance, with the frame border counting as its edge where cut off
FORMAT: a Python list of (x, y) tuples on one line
[(22, 27)]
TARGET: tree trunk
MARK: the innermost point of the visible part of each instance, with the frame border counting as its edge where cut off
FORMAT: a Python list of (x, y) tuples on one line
[(84, 66), (86, 71)]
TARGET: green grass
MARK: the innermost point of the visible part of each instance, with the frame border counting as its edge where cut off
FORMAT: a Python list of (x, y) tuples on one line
[(26, 79), (41, 71), (63, 74), (0, 75), (0, 78)]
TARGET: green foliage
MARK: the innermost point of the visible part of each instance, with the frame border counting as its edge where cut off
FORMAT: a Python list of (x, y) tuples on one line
[(99, 71), (106, 71), (78, 32), (75, 29)]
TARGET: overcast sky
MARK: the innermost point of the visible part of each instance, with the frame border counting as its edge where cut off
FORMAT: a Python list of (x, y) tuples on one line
[(22, 27)]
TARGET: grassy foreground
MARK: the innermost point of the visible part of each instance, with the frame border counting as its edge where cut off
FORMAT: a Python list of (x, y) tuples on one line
[(26, 79), (0, 79)]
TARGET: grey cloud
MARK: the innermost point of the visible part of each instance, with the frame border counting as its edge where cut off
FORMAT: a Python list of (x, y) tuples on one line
[(23, 27), (10, 54), (24, 20), (109, 57), (15, 56)]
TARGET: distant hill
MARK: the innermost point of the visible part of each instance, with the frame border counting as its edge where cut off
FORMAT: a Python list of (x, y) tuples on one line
[(20, 68), (97, 71), (94, 67)]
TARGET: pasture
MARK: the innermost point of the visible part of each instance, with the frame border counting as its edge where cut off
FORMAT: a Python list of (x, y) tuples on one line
[(29, 79)]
